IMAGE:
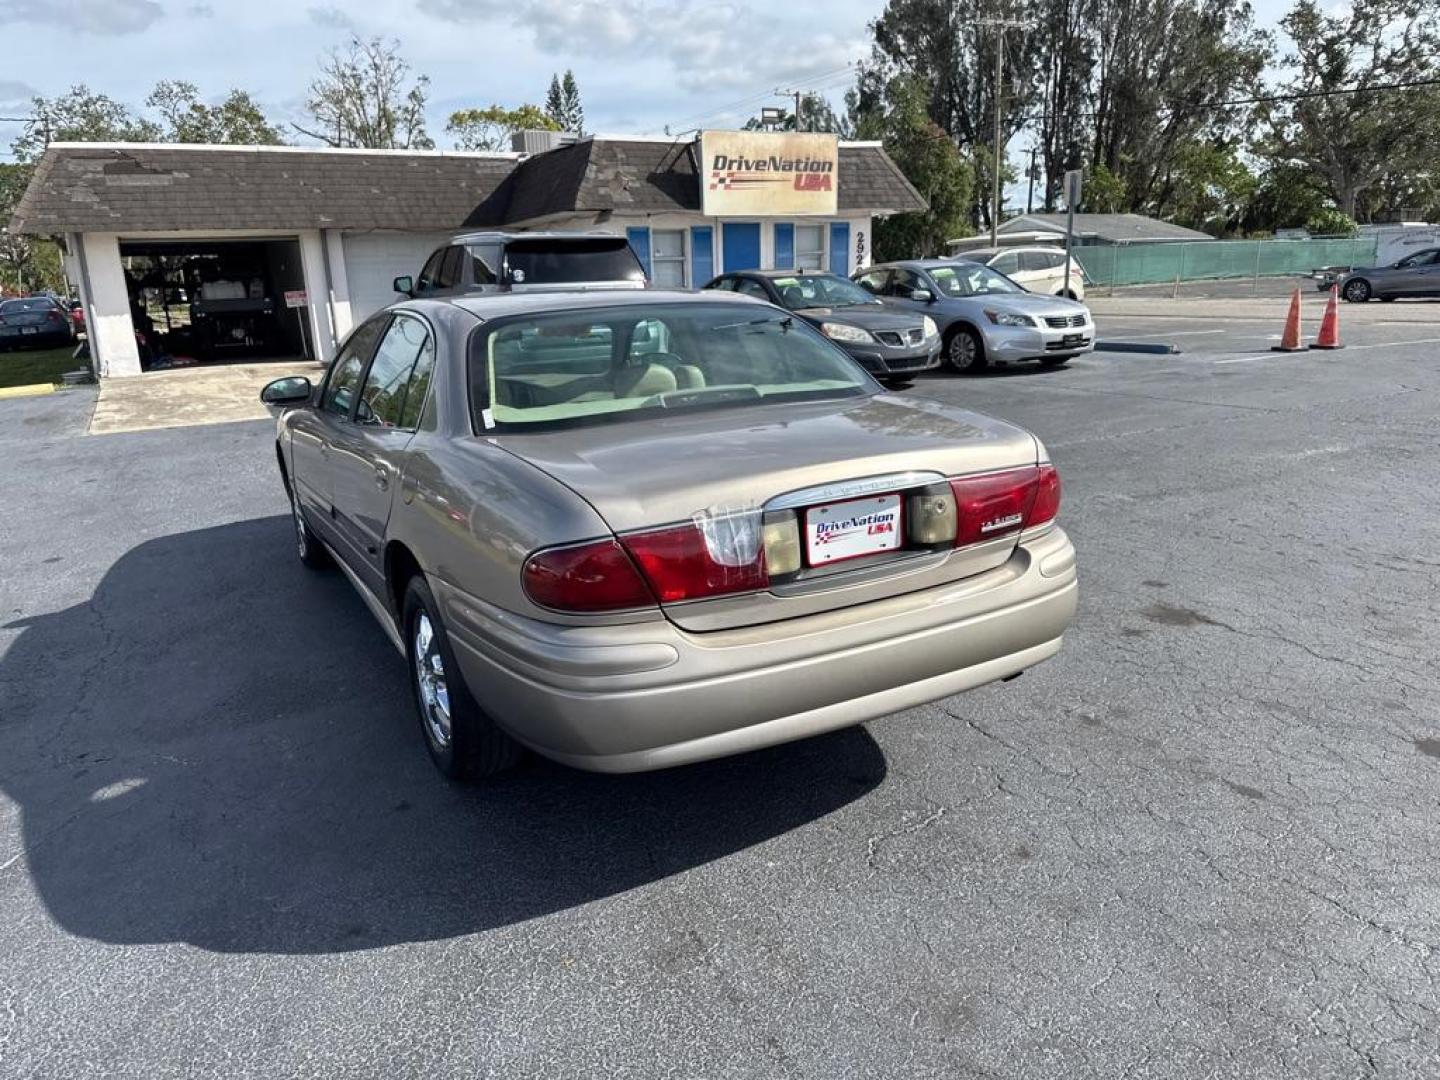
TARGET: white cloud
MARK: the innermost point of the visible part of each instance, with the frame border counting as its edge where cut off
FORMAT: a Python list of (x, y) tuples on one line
[(708, 47), (15, 96), (100, 17)]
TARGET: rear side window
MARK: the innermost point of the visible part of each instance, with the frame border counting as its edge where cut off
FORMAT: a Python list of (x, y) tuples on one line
[(384, 397), (419, 385), (1007, 263), (751, 288), (1036, 260), (557, 262)]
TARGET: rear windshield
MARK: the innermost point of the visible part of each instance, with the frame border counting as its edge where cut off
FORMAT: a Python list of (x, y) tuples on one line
[(564, 262), (971, 279), (38, 303), (608, 364)]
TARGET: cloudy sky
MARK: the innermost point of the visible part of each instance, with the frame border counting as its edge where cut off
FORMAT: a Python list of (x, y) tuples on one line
[(640, 64)]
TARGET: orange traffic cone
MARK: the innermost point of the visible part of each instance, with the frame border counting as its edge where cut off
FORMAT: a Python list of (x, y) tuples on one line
[(1330, 324), (1290, 341)]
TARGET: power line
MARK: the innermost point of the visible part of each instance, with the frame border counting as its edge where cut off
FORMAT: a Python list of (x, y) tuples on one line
[(819, 79)]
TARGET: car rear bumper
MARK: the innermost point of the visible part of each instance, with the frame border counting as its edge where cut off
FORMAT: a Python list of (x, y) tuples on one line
[(647, 695), (12, 336)]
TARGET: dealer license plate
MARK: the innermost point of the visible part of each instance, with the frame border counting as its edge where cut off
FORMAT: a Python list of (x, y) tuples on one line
[(852, 529), (28, 329)]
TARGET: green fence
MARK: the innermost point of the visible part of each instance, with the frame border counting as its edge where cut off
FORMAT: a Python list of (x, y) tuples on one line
[(1151, 264)]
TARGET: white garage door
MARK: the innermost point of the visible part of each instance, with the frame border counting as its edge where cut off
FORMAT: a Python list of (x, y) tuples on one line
[(374, 260)]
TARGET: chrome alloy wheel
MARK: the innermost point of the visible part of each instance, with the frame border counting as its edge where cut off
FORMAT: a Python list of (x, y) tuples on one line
[(962, 351), (430, 680)]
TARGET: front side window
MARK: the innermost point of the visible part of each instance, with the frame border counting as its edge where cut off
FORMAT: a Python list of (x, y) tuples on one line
[(809, 246), (798, 291), (667, 258), (450, 269), (904, 284), (383, 398), (571, 368), (751, 287), (349, 363), (431, 270), (970, 279)]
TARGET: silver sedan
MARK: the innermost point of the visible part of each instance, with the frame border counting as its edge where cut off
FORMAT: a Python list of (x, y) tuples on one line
[(983, 316)]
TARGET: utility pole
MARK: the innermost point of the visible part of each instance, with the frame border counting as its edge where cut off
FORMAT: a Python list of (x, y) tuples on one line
[(1030, 192), (999, 26), (799, 96)]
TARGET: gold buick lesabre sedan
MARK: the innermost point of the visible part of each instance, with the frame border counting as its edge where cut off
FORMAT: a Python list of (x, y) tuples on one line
[(632, 530)]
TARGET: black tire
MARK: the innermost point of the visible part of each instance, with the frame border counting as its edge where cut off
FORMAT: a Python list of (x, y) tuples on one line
[(464, 743), (312, 552), (1357, 291), (1055, 361), (965, 350)]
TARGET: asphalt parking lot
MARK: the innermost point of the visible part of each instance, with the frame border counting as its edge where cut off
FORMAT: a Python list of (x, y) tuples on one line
[(1199, 843)]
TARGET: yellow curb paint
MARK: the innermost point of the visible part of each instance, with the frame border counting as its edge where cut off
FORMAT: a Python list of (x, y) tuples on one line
[(31, 390)]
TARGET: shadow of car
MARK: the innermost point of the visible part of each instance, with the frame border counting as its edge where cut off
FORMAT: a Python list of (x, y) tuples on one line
[(219, 748)]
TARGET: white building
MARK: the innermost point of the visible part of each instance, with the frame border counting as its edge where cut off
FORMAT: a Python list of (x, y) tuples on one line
[(281, 250)]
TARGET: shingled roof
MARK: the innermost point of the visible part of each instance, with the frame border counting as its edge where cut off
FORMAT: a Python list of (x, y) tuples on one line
[(144, 187)]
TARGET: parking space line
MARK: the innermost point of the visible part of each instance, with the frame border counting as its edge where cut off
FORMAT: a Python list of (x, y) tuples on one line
[(1350, 348), (1177, 333)]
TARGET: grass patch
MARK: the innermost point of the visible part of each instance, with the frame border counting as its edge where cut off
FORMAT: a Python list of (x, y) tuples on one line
[(37, 366)]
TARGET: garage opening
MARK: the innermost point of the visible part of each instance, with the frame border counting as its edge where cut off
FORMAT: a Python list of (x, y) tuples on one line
[(216, 301)]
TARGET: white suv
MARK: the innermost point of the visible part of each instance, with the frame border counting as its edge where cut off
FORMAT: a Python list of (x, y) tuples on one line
[(1037, 269)]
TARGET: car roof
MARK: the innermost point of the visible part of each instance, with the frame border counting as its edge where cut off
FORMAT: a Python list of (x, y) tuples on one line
[(498, 305), (495, 236), (772, 273)]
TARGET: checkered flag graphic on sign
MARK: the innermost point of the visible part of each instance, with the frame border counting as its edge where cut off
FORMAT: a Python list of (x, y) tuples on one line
[(722, 183)]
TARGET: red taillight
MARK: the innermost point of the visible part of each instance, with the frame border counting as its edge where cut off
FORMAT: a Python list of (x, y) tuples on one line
[(680, 564), (1047, 497), (592, 577), (1003, 503)]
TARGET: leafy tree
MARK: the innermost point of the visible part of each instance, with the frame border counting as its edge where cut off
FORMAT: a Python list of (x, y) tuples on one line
[(80, 115), (1286, 196), (931, 161), (26, 262), (364, 97), (1354, 141), (490, 129), (1206, 186), (816, 114), (237, 119), (1329, 221), (1102, 192)]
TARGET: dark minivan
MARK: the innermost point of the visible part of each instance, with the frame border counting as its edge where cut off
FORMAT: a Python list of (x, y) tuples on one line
[(502, 262)]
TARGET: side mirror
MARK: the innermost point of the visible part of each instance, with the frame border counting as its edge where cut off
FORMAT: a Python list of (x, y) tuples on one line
[(923, 296), (291, 390), (404, 284)]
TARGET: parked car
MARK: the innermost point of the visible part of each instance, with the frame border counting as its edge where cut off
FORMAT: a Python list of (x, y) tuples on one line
[(34, 322), (1417, 274), (631, 530), (891, 345), (1036, 269), (984, 316), (502, 262)]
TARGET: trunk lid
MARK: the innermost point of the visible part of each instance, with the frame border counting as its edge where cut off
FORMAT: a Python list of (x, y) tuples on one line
[(642, 474)]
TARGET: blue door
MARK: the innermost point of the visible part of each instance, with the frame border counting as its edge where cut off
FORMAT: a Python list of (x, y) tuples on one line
[(639, 238), (742, 245), (784, 246), (702, 255), (840, 248)]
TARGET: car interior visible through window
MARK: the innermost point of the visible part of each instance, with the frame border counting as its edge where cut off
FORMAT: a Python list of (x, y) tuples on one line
[(384, 397), (971, 279), (801, 291), (572, 368)]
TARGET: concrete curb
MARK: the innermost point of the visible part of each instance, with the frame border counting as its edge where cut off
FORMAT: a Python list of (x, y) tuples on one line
[(29, 390), (1155, 349)]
